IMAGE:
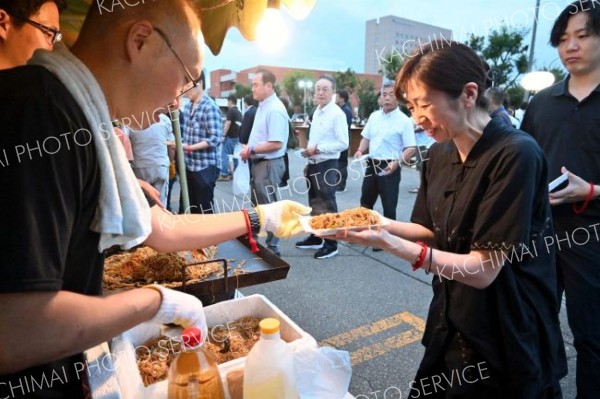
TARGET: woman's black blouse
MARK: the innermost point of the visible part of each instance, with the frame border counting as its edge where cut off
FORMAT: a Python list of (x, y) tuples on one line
[(497, 199)]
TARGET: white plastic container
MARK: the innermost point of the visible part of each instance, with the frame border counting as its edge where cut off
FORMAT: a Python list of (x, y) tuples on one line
[(269, 369), (123, 346)]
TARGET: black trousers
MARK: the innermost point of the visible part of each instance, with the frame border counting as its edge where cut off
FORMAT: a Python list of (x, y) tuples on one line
[(201, 187), (387, 187), (343, 168), (323, 179), (578, 262)]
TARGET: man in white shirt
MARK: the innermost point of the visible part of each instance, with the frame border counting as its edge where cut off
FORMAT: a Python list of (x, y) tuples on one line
[(267, 144), (388, 138), (328, 138)]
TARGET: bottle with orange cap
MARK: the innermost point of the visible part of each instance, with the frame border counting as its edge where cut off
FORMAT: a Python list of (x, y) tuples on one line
[(269, 370), (194, 374)]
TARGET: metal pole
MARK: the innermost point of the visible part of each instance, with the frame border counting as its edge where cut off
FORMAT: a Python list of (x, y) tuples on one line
[(532, 47), (180, 161), (304, 100)]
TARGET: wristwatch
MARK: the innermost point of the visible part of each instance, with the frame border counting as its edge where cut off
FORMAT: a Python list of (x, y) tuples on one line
[(254, 220), (252, 151)]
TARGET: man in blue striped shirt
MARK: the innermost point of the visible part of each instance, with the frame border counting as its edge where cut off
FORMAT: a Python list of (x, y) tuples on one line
[(201, 132)]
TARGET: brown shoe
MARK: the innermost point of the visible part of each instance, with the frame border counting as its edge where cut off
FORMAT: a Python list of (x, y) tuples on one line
[(224, 178)]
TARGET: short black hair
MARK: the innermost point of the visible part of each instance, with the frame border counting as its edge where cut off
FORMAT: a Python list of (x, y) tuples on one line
[(590, 7), (232, 98), (28, 8), (249, 100), (343, 94), (203, 80)]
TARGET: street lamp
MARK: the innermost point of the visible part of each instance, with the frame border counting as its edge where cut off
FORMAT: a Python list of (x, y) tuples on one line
[(536, 81), (305, 84)]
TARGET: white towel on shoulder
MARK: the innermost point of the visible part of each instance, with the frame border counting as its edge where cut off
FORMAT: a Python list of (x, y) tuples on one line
[(123, 215)]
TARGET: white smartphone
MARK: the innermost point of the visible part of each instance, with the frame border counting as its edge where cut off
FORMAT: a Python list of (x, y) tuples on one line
[(554, 184)]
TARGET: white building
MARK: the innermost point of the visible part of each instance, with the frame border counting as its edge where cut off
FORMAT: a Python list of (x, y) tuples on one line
[(392, 36)]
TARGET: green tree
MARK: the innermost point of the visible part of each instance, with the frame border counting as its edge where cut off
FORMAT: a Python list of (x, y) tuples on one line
[(367, 97), (505, 52), (293, 90), (241, 90), (559, 73), (347, 80), (391, 65)]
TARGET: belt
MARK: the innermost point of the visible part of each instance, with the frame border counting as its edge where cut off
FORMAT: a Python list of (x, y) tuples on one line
[(259, 160)]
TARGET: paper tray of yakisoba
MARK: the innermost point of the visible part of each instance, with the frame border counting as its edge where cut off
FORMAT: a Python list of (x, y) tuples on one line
[(350, 219), (209, 272)]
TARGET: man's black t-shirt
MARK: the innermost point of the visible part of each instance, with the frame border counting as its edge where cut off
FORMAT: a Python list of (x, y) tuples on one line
[(568, 130), (50, 176), (235, 117)]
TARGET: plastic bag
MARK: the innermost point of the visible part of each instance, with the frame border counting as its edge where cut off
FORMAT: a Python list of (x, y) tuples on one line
[(322, 373), (241, 179)]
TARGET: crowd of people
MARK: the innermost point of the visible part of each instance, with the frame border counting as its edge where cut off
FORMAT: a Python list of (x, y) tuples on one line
[(483, 196)]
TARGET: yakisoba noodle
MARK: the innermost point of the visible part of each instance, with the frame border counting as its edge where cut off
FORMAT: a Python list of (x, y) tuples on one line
[(355, 217)]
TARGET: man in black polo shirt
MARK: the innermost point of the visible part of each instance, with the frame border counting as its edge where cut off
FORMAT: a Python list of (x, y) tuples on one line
[(565, 120)]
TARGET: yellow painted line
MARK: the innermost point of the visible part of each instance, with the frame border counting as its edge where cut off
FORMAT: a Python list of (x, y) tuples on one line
[(375, 328), (372, 351), (381, 348)]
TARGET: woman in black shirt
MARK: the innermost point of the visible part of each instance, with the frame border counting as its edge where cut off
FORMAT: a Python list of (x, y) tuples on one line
[(478, 225)]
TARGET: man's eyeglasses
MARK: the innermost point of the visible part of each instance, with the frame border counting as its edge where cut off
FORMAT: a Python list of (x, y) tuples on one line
[(54, 34), (193, 83)]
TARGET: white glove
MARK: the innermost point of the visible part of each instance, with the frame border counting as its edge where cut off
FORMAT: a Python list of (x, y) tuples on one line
[(179, 308), (282, 218)]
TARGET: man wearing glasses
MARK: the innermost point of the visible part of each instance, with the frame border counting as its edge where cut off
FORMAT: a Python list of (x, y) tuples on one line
[(26, 26)]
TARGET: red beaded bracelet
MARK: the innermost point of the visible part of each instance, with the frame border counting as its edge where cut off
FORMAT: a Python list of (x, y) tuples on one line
[(251, 240), (586, 202), (422, 255)]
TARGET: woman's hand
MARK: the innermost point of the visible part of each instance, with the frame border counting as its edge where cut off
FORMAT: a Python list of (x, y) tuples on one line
[(374, 237)]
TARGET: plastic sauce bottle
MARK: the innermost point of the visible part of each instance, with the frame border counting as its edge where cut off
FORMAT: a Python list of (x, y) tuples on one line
[(194, 373), (269, 371)]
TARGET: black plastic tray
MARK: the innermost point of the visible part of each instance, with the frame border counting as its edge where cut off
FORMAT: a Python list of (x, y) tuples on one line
[(259, 268)]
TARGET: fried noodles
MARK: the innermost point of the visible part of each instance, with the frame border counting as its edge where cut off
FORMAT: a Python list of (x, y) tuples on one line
[(355, 217)]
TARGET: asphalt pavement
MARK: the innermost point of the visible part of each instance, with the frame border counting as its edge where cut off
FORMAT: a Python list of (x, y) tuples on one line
[(369, 303)]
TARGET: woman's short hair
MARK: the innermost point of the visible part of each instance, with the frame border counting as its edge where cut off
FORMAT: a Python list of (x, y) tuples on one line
[(446, 66)]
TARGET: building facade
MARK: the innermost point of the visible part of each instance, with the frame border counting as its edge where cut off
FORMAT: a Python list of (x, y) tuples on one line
[(393, 36)]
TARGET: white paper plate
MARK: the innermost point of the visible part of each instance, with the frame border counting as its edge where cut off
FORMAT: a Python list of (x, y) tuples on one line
[(305, 222)]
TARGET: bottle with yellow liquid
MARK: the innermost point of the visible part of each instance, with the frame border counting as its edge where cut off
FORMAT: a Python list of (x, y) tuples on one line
[(269, 370), (194, 373)]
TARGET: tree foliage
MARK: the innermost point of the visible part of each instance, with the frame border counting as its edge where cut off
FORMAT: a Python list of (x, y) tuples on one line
[(367, 97), (242, 90), (293, 90), (347, 80), (505, 52), (391, 66), (559, 73)]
